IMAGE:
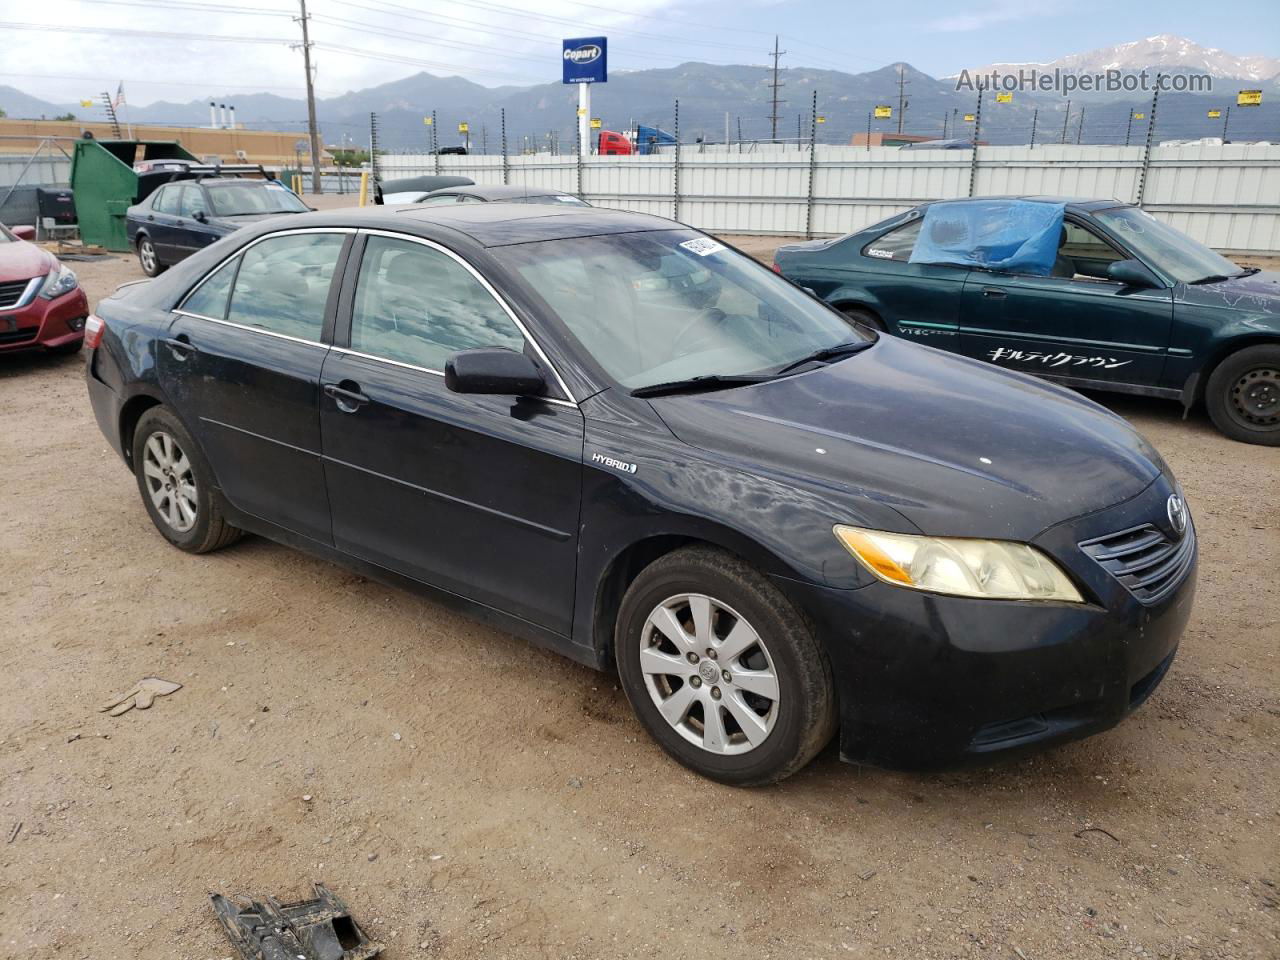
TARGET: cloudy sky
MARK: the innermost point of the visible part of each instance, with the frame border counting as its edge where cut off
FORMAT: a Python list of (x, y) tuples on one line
[(190, 49)]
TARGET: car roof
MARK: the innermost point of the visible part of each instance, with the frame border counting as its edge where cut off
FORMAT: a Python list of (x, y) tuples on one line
[(488, 224), (499, 191)]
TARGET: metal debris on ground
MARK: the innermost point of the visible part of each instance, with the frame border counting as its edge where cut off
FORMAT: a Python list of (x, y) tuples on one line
[(319, 929), (142, 695), (14, 831)]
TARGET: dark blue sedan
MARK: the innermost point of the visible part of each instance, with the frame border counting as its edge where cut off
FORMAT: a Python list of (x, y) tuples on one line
[(184, 216)]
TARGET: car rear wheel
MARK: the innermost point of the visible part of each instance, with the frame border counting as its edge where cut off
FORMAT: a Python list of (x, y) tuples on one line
[(1243, 395), (150, 263), (721, 670), (864, 318), (177, 485)]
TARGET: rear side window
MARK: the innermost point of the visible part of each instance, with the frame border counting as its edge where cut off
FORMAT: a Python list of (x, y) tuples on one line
[(210, 298), (283, 284), (166, 200), (416, 305), (897, 244)]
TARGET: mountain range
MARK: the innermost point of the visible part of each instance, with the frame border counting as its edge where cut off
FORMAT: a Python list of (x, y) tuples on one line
[(709, 95)]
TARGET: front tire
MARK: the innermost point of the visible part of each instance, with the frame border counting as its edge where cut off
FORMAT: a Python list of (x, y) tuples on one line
[(1243, 395), (148, 259), (722, 670), (177, 485)]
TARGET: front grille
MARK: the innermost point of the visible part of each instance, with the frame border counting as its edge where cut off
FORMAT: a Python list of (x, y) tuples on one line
[(1145, 561), (11, 292)]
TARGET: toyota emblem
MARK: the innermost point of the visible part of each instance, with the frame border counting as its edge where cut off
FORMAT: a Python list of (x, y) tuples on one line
[(1177, 513)]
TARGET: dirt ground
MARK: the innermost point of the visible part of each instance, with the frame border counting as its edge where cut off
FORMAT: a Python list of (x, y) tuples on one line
[(471, 796)]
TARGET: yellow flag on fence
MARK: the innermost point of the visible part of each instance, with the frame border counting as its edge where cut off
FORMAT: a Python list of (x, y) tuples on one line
[(1249, 98), (1215, 114), (1004, 98), (883, 113)]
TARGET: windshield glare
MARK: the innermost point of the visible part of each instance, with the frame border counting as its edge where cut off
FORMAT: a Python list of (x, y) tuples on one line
[(670, 305), (1164, 247), (245, 198)]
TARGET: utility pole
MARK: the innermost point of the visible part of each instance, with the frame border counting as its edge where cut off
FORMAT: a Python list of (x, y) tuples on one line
[(902, 93), (312, 131), (773, 116)]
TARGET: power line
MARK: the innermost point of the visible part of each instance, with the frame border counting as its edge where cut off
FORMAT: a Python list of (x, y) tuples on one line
[(194, 5), (154, 34)]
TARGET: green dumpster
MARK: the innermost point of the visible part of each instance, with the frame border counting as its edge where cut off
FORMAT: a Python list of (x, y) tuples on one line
[(105, 184)]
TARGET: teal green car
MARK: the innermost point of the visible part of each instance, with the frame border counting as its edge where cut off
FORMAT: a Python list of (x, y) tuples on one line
[(1124, 303)]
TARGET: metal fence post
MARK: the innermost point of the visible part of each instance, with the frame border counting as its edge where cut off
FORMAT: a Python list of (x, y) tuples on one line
[(977, 130), (506, 169), (813, 167), (675, 170), (578, 155), (868, 131), (1035, 115), (373, 146), (435, 140), (1146, 151)]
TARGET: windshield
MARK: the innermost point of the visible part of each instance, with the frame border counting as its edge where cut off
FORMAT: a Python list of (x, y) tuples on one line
[(5, 235), (245, 197), (671, 305), (1164, 247)]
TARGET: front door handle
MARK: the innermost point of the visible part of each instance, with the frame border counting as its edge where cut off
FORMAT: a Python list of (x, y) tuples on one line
[(994, 293), (180, 346), (346, 395)]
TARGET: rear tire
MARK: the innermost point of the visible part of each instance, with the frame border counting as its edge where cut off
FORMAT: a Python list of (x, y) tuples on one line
[(177, 485), (722, 670), (148, 259), (864, 318), (1243, 395)]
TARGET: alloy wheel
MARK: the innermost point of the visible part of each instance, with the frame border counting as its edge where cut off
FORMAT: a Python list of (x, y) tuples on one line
[(709, 674), (170, 482), (147, 254)]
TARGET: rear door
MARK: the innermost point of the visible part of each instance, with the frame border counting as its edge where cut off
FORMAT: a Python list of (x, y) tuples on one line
[(242, 368), (161, 221), (1078, 327), (477, 495)]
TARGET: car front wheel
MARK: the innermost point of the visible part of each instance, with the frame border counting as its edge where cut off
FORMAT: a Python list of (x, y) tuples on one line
[(150, 263), (1243, 395), (177, 485), (722, 671)]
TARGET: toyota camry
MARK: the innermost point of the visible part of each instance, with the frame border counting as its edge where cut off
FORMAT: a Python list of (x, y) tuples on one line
[(626, 441)]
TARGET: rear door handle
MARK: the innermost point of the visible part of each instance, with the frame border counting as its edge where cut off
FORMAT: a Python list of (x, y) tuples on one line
[(347, 395), (180, 346), (995, 293)]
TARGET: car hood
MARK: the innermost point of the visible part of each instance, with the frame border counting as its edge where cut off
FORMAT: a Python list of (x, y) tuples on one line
[(20, 260), (955, 446), (1256, 293)]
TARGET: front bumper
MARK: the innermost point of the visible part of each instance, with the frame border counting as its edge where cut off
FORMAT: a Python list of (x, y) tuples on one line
[(45, 324), (927, 681)]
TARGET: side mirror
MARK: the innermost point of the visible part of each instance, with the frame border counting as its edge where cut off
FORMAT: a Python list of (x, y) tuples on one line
[(1132, 273), (199, 217), (495, 370), (23, 232)]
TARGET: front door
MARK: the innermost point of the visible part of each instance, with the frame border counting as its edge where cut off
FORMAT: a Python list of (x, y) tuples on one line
[(1076, 325), (477, 495), (242, 366)]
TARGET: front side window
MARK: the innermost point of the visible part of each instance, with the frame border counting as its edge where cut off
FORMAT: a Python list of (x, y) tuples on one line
[(283, 283), (192, 202), (1087, 253), (897, 244), (419, 306), (670, 305)]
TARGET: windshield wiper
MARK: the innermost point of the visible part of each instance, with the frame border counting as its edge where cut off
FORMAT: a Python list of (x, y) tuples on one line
[(1213, 278), (696, 384), (826, 353)]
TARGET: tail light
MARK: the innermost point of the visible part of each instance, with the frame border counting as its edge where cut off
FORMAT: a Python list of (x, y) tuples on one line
[(774, 266), (94, 328)]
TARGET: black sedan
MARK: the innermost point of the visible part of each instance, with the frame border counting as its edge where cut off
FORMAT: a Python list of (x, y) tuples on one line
[(501, 193), (184, 216), (621, 439)]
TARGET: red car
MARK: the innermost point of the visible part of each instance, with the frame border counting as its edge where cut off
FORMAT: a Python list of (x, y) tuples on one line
[(41, 303)]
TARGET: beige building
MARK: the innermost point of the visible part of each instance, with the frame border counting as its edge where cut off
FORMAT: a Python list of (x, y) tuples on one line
[(268, 147)]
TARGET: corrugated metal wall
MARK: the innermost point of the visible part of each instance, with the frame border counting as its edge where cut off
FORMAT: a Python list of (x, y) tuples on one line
[(1225, 195)]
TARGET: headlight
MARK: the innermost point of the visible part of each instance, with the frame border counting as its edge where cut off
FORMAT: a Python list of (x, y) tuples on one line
[(58, 282), (993, 569)]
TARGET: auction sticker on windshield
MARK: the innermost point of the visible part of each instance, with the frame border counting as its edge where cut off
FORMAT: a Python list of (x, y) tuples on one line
[(702, 246)]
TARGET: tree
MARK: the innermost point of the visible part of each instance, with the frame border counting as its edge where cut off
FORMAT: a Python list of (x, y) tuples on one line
[(349, 158), (2, 113), (65, 116)]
